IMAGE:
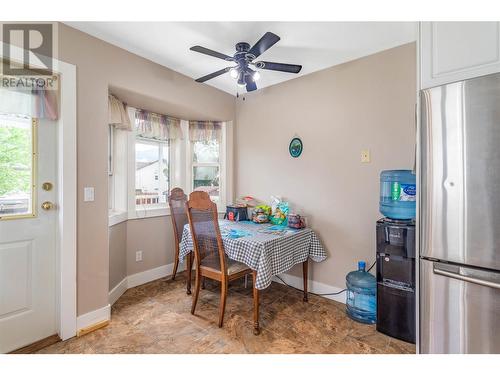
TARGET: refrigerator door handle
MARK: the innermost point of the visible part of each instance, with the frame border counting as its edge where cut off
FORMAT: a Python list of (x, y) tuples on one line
[(456, 275)]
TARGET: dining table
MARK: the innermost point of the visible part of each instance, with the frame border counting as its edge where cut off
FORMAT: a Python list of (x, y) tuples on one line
[(267, 249)]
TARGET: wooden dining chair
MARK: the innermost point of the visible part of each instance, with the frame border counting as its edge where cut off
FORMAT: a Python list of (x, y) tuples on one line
[(177, 202), (210, 259)]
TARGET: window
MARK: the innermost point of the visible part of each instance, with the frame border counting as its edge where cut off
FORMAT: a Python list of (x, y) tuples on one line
[(17, 166), (117, 174), (206, 168), (111, 180), (145, 164), (152, 171)]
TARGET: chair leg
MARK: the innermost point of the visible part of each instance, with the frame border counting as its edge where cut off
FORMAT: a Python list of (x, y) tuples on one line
[(176, 264), (189, 267), (246, 281), (196, 291), (223, 297), (203, 282)]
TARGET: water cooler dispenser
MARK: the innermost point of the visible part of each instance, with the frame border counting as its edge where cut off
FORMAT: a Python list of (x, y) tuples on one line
[(396, 255), (396, 278)]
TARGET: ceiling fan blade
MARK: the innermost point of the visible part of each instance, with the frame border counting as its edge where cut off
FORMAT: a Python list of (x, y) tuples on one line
[(210, 52), (213, 75), (251, 86), (267, 41), (288, 68)]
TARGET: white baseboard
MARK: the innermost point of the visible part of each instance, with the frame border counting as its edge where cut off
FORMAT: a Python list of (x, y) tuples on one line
[(140, 278), (313, 286), (144, 277), (93, 317), (118, 290), (153, 274)]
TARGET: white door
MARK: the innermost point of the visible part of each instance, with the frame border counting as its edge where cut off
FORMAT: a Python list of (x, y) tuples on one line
[(27, 231)]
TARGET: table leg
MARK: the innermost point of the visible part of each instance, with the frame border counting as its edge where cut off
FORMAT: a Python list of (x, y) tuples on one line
[(256, 327), (305, 268), (189, 267)]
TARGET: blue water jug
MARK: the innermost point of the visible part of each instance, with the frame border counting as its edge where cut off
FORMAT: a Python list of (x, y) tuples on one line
[(398, 194), (361, 298)]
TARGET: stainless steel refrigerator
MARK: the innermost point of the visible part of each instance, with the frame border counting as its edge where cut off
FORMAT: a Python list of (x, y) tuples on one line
[(460, 217)]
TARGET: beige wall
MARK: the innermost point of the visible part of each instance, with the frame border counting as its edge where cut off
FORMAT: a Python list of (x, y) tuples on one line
[(155, 238), (99, 66), (117, 254), (363, 104)]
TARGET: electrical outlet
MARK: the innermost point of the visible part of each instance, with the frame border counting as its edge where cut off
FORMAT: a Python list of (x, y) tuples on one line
[(365, 156), (138, 256)]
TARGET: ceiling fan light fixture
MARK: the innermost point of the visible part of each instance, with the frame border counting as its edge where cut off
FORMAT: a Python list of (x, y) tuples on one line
[(241, 79), (233, 72), (244, 58)]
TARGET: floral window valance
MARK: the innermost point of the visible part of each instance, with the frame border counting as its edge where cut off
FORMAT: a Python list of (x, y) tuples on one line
[(156, 126), (205, 131), (117, 114)]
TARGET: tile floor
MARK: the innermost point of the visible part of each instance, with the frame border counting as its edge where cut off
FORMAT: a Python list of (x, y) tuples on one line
[(155, 318)]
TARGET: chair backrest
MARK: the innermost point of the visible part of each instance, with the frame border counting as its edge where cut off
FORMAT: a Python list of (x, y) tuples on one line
[(205, 232), (177, 202)]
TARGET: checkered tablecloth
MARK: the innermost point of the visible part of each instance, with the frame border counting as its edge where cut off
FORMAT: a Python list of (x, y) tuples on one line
[(268, 249)]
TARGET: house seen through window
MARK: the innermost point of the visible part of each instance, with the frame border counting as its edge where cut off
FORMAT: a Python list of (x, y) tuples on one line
[(152, 165)]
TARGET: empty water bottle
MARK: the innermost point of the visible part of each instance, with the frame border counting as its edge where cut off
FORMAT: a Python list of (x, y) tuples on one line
[(361, 298)]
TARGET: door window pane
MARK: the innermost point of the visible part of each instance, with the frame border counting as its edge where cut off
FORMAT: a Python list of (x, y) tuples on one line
[(16, 165), (206, 179)]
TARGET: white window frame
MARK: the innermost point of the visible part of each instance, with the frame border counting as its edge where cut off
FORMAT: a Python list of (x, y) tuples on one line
[(117, 176), (111, 177), (161, 177), (146, 212), (221, 203)]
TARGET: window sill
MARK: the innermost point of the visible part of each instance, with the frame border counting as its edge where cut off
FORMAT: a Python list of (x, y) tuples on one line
[(117, 217), (144, 213)]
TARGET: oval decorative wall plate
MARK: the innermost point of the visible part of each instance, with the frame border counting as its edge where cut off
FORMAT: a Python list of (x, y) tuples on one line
[(295, 147)]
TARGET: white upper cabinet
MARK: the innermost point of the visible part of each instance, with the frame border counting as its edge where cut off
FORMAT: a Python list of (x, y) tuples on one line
[(454, 51)]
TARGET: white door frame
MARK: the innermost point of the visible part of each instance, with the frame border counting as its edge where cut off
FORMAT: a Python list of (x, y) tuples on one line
[(67, 202), (66, 292)]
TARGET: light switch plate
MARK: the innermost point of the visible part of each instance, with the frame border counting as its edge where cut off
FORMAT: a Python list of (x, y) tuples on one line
[(365, 156), (88, 194), (138, 256)]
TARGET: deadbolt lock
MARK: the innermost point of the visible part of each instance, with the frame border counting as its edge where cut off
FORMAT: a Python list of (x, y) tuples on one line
[(47, 186), (47, 205)]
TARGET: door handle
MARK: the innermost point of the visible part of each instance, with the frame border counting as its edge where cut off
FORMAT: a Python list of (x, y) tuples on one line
[(47, 206), (414, 170), (469, 279), (47, 186)]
